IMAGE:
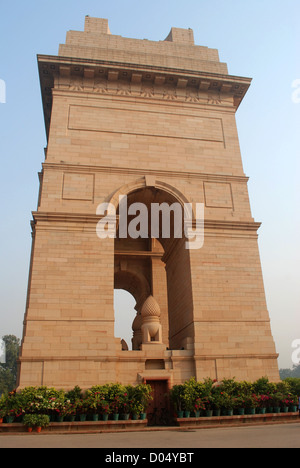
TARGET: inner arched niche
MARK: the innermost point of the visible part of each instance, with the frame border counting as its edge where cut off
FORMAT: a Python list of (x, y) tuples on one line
[(164, 265)]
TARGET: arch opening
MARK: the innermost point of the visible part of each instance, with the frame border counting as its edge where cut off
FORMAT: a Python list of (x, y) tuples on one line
[(158, 266), (124, 306)]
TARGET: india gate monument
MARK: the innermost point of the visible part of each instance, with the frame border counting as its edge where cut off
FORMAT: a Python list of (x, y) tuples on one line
[(137, 129)]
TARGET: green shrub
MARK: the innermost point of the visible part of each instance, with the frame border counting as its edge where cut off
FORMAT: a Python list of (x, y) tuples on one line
[(141, 396), (74, 395), (176, 396), (115, 397), (263, 387), (36, 420), (42, 420), (29, 420), (294, 384)]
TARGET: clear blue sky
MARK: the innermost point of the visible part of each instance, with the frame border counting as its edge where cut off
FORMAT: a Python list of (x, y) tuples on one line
[(258, 39)]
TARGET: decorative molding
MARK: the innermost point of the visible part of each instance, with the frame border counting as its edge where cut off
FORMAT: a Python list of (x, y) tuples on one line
[(170, 92), (235, 356), (141, 172), (144, 81), (49, 217)]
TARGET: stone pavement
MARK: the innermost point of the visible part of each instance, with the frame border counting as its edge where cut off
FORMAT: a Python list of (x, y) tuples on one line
[(277, 436)]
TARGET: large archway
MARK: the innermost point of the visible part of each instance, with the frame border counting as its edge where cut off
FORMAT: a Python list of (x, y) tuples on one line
[(159, 265)]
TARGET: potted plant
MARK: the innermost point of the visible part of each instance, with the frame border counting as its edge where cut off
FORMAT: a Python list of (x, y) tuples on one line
[(2, 410), (286, 402), (239, 405), (124, 406), (216, 400), (192, 391), (250, 404), (115, 408), (29, 421), (72, 411), (104, 409), (276, 399), (41, 421), (74, 396), (263, 402), (226, 403), (92, 402), (208, 406), (293, 404), (112, 394), (63, 409), (82, 409), (176, 396), (12, 414), (188, 403), (36, 420), (142, 394), (13, 407), (137, 409), (198, 406)]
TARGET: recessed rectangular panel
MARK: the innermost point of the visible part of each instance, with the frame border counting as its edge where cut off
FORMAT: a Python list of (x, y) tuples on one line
[(218, 195), (150, 123), (78, 186)]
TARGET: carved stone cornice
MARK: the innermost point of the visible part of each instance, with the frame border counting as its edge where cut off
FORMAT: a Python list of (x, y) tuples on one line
[(139, 81)]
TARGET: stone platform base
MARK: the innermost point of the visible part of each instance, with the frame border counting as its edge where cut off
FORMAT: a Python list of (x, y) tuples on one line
[(142, 425), (249, 420), (80, 427)]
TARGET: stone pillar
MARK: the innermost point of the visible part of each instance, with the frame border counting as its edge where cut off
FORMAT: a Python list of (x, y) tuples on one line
[(137, 332)]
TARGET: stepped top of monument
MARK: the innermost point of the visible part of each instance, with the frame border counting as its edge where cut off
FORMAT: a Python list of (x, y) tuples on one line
[(96, 54), (178, 50)]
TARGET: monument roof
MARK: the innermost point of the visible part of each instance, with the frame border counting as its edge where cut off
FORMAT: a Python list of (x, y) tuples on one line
[(177, 61)]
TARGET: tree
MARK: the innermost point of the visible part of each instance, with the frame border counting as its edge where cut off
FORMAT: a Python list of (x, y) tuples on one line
[(287, 373), (8, 369), (296, 371)]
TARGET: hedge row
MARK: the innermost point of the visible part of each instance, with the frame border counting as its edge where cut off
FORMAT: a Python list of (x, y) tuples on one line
[(209, 395), (104, 399)]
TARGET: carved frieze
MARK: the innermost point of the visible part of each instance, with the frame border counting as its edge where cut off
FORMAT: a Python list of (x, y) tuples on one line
[(144, 89), (61, 74)]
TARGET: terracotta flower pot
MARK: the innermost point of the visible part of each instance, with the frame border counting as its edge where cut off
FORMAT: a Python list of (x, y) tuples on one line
[(38, 430), (29, 429)]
